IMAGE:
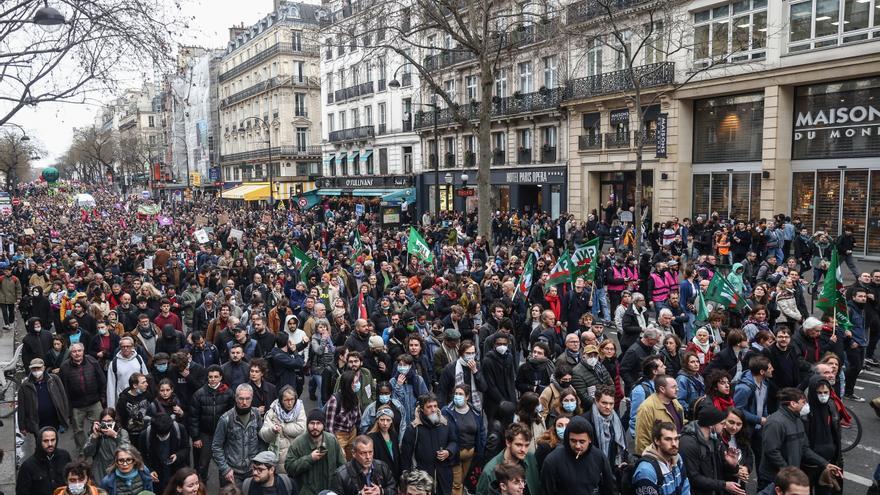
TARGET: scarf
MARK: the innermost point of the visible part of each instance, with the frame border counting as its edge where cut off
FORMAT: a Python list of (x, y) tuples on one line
[(362, 308), (722, 403), (148, 332), (554, 303), (573, 354), (702, 347), (476, 395), (286, 416), (607, 430), (129, 478)]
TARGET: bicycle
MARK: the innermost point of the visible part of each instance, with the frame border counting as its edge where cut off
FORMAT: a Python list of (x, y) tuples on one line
[(9, 384), (851, 434)]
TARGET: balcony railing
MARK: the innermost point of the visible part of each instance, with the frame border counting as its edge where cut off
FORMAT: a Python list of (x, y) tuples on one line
[(277, 152), (354, 91), (382, 129), (518, 38), (546, 99), (548, 154), (268, 84), (407, 126), (587, 10), (650, 138), (470, 159), (353, 134), (449, 160), (616, 140), (647, 76), (260, 57), (498, 157), (590, 142), (448, 58), (524, 156)]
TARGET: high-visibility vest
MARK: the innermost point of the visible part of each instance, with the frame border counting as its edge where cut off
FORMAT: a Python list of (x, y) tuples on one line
[(661, 288), (621, 274)]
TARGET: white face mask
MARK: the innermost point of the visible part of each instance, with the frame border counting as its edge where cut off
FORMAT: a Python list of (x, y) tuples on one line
[(823, 398), (38, 375), (806, 410), (592, 361), (76, 488)]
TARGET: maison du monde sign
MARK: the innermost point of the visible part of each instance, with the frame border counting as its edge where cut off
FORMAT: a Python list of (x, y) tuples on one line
[(837, 125)]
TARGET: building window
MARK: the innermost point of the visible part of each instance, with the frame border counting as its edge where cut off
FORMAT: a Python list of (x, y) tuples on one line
[(499, 141), (549, 137), (655, 51), (591, 135), (368, 68), (449, 157), (296, 40), (342, 120), (302, 138), (471, 87), (330, 126), (594, 57), (151, 121), (299, 104), (355, 118), (380, 68), (355, 75), (623, 50), (299, 71), (732, 32), (380, 114), (525, 139), (368, 115), (501, 83), (728, 129), (449, 89), (407, 159), (819, 23), (551, 72), (730, 194), (526, 85), (383, 161)]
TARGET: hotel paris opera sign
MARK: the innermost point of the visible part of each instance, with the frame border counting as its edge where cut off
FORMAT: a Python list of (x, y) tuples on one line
[(844, 124)]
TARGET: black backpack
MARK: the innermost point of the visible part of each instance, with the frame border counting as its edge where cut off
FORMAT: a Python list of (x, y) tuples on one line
[(626, 479)]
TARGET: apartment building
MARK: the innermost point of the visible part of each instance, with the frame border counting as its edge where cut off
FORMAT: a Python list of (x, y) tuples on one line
[(136, 121), (269, 106), (370, 148)]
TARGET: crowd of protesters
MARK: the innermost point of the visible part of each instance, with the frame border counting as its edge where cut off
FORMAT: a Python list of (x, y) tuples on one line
[(373, 370)]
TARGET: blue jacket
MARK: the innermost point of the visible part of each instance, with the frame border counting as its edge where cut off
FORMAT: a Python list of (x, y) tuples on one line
[(480, 439), (645, 475), (745, 399), (108, 484), (857, 318), (408, 393), (689, 389), (205, 357), (636, 397)]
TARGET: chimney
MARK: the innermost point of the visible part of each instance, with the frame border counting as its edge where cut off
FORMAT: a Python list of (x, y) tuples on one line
[(234, 31)]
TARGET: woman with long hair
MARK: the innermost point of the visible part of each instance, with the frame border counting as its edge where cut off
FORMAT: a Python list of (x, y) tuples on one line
[(386, 440), (609, 359), (756, 322), (734, 435), (718, 390), (106, 436), (127, 474), (470, 431), (185, 482), (550, 439), (285, 420), (528, 412), (344, 412), (166, 402), (569, 405), (691, 385)]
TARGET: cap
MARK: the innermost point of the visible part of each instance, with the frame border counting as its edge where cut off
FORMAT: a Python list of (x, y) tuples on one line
[(591, 349), (452, 334), (376, 341), (37, 363), (266, 457), (710, 416), (598, 323)]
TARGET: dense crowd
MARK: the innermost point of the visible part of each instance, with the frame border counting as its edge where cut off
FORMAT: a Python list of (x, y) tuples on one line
[(305, 351)]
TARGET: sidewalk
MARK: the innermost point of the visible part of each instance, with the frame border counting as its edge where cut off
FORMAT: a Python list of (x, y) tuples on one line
[(7, 431)]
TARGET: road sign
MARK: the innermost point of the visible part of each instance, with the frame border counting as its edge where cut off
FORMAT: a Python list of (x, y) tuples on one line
[(302, 202)]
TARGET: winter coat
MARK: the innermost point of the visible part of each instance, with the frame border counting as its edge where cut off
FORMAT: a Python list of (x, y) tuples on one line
[(420, 444), (102, 451), (631, 363), (633, 323), (784, 443), (499, 373), (690, 388), (408, 393), (349, 478), (235, 444), (705, 466), (10, 289), (574, 305), (447, 382), (179, 444), (204, 357), (84, 383), (480, 437), (189, 301), (564, 472), (35, 345), (39, 474), (586, 378), (109, 481), (208, 405), (28, 407), (286, 367), (313, 476), (320, 356), (650, 412), (745, 398), (534, 376), (280, 442)]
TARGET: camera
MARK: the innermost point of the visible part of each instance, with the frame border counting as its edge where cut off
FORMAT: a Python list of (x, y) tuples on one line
[(105, 425)]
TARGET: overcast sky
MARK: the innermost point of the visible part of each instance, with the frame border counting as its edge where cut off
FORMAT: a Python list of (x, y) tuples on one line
[(52, 124)]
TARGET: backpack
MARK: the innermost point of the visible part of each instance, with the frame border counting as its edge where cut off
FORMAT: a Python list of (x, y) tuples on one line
[(694, 407), (285, 480), (147, 434), (115, 367), (626, 479)]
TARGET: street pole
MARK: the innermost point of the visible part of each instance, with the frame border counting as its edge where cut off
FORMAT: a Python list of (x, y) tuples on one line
[(436, 163), (271, 171)]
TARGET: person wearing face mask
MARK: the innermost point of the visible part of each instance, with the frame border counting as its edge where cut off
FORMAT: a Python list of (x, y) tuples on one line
[(784, 440), (407, 386), (208, 404), (384, 399), (588, 375), (42, 400), (344, 412), (707, 465), (37, 342), (430, 444), (534, 375), (823, 433), (78, 480), (550, 397), (500, 372), (470, 434)]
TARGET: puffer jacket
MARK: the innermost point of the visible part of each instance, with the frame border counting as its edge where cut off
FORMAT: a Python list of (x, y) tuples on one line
[(235, 444), (705, 468), (207, 407), (585, 377)]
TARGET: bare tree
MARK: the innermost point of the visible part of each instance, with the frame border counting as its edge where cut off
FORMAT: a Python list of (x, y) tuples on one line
[(100, 41), (16, 156)]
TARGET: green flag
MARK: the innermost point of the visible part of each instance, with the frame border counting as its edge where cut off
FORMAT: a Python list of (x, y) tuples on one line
[(306, 263), (831, 297), (583, 257), (722, 292), (702, 308), (561, 272), (525, 280), (356, 245), (418, 247)]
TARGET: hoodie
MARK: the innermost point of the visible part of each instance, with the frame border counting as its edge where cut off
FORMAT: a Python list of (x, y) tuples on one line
[(566, 472), (41, 473), (735, 277), (645, 481), (35, 344)]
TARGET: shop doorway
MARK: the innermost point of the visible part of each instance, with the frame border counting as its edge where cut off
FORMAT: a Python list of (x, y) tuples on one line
[(620, 188), (530, 198)]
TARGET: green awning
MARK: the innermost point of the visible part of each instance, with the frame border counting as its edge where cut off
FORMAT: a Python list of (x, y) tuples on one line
[(311, 198), (329, 159), (371, 192), (352, 158), (366, 155), (329, 192), (407, 195)]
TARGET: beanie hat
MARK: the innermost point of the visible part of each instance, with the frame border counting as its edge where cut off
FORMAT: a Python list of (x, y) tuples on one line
[(710, 416), (315, 415)]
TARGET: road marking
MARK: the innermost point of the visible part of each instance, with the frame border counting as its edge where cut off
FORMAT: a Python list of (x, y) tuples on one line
[(861, 380), (869, 449), (857, 479), (874, 373)]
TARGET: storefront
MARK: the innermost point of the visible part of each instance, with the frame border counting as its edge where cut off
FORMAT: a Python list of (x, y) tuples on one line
[(728, 134), (836, 159), (365, 187), (520, 188)]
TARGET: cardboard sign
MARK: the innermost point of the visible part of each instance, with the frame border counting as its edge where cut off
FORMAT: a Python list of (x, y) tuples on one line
[(136, 239), (201, 236), (236, 234), (63, 220), (28, 231), (223, 219), (201, 220), (267, 218)]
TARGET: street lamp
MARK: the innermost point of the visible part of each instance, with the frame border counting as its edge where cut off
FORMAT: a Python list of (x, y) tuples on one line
[(48, 18), (264, 122)]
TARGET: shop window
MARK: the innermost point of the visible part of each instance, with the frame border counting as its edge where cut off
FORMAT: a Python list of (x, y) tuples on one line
[(803, 195), (732, 32), (701, 195), (728, 129), (855, 191), (739, 195), (828, 202), (872, 244), (821, 23), (755, 197), (720, 190)]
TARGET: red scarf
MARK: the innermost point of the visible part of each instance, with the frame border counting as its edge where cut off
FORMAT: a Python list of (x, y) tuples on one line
[(721, 403), (362, 308), (554, 303)]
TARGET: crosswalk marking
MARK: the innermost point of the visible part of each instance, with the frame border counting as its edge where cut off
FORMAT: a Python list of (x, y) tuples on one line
[(860, 480)]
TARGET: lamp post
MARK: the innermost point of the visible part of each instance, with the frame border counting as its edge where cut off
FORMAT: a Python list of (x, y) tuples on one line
[(48, 18), (265, 122)]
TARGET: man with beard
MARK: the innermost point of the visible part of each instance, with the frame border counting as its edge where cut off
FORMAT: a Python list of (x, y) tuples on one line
[(650, 478), (430, 444), (208, 404), (132, 406), (312, 459), (364, 475), (236, 440), (236, 371), (577, 466), (43, 471), (516, 452)]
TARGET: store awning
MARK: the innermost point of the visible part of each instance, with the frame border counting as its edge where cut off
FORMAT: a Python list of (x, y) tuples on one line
[(366, 155), (407, 195), (248, 192), (329, 159), (371, 192), (329, 192), (352, 158)]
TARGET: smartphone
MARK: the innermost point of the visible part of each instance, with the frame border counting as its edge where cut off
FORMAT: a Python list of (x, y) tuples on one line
[(322, 449)]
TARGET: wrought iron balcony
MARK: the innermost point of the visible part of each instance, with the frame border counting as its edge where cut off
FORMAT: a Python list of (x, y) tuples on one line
[(448, 58), (470, 159), (277, 152), (382, 129), (587, 10), (616, 140), (648, 76), (449, 160), (590, 142), (285, 48), (498, 157), (268, 84), (354, 91), (353, 134), (522, 36), (548, 154), (544, 99), (524, 156), (649, 137)]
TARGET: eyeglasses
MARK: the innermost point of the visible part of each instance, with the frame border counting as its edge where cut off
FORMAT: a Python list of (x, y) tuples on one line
[(126, 460)]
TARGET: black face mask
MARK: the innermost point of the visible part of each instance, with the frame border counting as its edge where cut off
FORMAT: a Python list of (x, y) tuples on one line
[(565, 384), (241, 411)]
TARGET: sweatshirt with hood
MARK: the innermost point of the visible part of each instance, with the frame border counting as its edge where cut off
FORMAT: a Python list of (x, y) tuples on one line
[(675, 480), (566, 472), (35, 344)]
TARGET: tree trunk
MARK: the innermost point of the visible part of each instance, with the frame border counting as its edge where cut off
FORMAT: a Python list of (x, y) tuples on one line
[(484, 172)]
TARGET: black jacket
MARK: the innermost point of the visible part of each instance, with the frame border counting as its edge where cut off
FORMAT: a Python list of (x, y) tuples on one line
[(500, 374), (35, 345), (207, 407), (704, 465), (631, 364), (381, 452), (421, 442), (562, 472), (85, 383), (349, 478), (39, 474), (631, 327)]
